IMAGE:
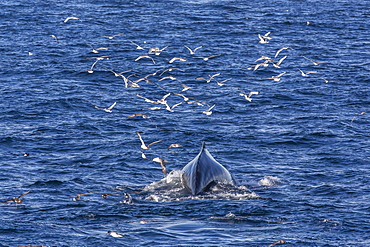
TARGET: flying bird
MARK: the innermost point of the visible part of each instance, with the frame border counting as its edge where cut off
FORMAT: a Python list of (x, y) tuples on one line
[(111, 37), (16, 199), (276, 77), (170, 69), (221, 83), (163, 164), (156, 51), (109, 109), (209, 57), (115, 234), (192, 52), (263, 58), (182, 59), (361, 113), (138, 115), (143, 145), (90, 71), (77, 197), (208, 80), (70, 18), (281, 241), (185, 88), (138, 47), (175, 145), (248, 96), (282, 49), (97, 49), (183, 96), (55, 37), (208, 111), (170, 109), (144, 56), (307, 73), (315, 63), (262, 40), (277, 65)]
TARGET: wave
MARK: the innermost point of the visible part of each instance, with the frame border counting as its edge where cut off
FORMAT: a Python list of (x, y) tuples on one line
[(171, 188)]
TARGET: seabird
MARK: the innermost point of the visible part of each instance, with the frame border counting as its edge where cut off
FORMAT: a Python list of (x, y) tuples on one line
[(55, 37), (77, 197), (361, 113), (168, 77), (221, 83), (276, 77), (146, 99), (192, 52), (185, 88), (255, 67), (97, 49), (70, 18), (138, 115), (115, 234), (170, 69), (208, 111), (307, 73), (174, 146), (315, 63), (263, 58), (183, 96), (90, 71), (248, 96), (325, 80), (143, 146), (281, 241), (282, 49), (168, 108), (111, 37), (262, 40), (163, 164), (109, 109), (182, 59), (16, 199), (138, 47), (209, 79), (152, 108), (100, 57), (156, 51), (116, 74), (277, 65), (209, 57), (127, 198), (144, 56)]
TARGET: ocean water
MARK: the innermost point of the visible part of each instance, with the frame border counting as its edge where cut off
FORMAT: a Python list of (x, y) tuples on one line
[(299, 150)]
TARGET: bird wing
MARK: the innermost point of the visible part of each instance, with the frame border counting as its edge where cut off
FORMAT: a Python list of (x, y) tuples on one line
[(176, 105), (6, 201), (211, 107), (111, 107), (154, 143), (281, 60), (141, 139), (25, 193)]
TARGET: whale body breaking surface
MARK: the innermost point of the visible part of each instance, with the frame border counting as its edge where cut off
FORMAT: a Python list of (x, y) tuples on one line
[(203, 171)]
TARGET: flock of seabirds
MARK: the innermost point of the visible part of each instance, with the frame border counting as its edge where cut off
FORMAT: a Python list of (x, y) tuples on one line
[(150, 55)]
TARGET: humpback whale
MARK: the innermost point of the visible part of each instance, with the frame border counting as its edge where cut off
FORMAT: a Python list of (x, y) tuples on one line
[(200, 173)]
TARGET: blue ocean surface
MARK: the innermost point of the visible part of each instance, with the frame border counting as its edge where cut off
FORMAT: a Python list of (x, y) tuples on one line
[(298, 149)]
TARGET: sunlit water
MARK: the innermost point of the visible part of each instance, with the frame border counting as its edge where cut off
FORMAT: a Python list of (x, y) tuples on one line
[(299, 151)]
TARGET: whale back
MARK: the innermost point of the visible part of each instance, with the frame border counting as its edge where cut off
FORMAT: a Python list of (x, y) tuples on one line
[(202, 171)]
